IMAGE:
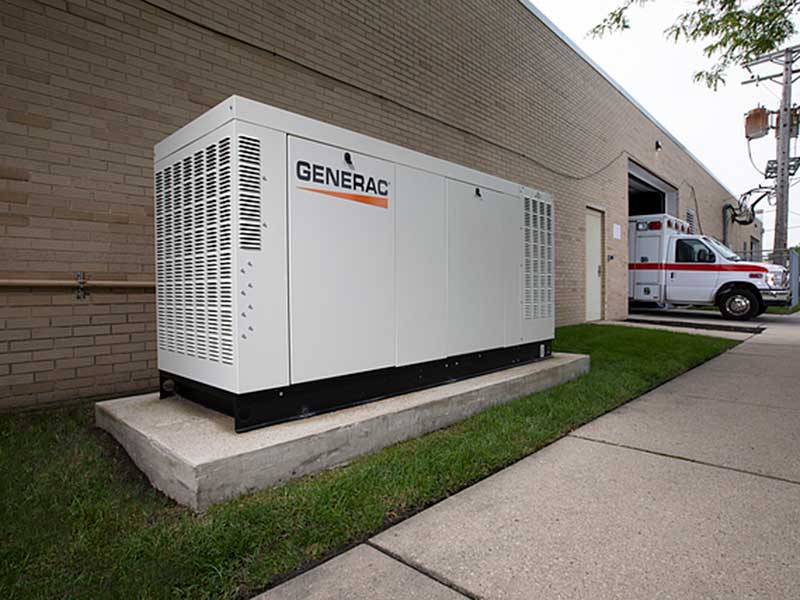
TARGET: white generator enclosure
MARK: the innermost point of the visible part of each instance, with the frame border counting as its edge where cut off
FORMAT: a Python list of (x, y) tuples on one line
[(302, 267)]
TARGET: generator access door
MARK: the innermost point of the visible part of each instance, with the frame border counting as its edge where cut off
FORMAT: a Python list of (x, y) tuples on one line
[(341, 261)]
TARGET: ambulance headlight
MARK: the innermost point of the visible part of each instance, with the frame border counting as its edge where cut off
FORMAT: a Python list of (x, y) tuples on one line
[(771, 279)]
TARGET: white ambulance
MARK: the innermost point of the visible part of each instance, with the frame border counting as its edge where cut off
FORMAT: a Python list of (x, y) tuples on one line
[(669, 265)]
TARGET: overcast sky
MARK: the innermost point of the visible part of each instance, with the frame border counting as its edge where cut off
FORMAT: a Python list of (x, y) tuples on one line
[(658, 74)]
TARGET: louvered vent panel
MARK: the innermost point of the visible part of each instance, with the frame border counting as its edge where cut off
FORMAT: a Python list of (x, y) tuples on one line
[(161, 314), (549, 300), (690, 219), (249, 193), (529, 262), (537, 277), (194, 255)]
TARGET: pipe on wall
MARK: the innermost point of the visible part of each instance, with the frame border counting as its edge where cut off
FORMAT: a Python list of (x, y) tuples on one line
[(727, 208), (72, 283)]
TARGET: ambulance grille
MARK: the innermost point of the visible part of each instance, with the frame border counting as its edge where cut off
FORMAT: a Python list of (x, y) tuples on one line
[(537, 275), (249, 193), (194, 261)]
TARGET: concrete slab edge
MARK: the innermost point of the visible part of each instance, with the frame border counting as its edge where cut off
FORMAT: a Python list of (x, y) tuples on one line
[(200, 486), (267, 467), (166, 472)]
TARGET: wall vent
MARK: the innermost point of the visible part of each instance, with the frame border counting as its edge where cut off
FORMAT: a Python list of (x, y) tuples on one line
[(690, 219), (249, 193), (194, 255), (537, 276)]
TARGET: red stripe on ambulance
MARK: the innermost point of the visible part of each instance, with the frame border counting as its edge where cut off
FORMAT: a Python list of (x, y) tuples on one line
[(694, 267)]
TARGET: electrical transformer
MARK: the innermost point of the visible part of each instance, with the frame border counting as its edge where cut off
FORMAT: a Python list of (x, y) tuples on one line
[(302, 267)]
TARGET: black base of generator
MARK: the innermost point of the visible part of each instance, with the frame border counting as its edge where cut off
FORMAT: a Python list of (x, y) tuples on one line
[(277, 405)]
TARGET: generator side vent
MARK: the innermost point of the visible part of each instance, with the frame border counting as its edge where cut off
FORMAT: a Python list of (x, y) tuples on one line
[(537, 276), (249, 193), (194, 255)]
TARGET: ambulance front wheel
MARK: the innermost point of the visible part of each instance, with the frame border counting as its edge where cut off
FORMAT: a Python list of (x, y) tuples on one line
[(739, 304)]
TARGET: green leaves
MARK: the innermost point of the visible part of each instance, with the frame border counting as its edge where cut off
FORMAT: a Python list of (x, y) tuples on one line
[(617, 19), (734, 32)]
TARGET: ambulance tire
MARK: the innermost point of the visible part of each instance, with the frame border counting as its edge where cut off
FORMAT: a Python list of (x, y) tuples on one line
[(762, 308), (739, 304)]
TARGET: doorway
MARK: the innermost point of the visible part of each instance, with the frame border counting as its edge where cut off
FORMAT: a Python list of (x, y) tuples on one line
[(648, 194), (594, 265)]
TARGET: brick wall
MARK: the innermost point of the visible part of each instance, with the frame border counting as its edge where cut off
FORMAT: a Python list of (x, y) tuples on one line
[(90, 85), (54, 347)]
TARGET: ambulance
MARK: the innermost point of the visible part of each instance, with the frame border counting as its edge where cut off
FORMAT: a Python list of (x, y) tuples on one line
[(671, 265)]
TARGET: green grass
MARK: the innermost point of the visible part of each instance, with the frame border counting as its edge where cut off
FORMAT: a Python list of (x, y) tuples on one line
[(783, 310), (702, 307), (77, 520)]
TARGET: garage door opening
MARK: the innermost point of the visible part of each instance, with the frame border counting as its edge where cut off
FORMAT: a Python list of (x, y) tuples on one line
[(644, 199)]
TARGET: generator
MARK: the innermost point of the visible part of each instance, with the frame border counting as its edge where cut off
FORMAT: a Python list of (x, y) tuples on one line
[(302, 267)]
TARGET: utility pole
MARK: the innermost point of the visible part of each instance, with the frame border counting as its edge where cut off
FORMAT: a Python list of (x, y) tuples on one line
[(782, 154), (786, 59)]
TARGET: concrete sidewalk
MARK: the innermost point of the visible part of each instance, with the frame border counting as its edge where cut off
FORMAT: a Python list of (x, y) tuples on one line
[(691, 491)]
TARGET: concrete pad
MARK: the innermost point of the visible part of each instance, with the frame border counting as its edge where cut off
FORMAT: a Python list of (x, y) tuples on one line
[(757, 438), (193, 455), (694, 324), (695, 318), (360, 574), (581, 519)]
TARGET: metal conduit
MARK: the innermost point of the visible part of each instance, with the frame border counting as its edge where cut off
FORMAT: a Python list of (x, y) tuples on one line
[(72, 283)]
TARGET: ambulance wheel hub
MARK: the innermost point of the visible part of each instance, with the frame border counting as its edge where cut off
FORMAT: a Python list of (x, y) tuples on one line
[(738, 304)]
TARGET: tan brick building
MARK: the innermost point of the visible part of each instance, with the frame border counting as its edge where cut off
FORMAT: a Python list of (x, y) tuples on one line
[(89, 86)]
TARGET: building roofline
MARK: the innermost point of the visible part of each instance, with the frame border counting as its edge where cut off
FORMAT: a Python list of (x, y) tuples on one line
[(575, 48)]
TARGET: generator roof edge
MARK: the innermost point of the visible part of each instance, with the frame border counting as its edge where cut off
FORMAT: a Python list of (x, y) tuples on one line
[(265, 115), (210, 120), (575, 48)]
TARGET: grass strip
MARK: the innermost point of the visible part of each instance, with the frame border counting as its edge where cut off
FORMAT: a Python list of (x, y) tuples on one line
[(78, 520), (783, 310)]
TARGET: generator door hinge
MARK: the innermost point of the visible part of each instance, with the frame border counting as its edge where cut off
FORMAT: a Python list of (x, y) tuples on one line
[(81, 292)]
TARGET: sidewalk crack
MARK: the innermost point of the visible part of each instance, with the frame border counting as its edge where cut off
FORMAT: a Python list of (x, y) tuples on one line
[(426, 572), (685, 459)]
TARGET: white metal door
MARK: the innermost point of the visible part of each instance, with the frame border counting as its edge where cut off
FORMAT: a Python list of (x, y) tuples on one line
[(476, 268), (594, 265), (341, 261), (421, 244)]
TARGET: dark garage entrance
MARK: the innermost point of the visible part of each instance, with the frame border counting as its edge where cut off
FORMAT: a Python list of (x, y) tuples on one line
[(648, 194)]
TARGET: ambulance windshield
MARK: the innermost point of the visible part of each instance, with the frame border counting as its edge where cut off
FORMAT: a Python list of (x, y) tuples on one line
[(723, 250)]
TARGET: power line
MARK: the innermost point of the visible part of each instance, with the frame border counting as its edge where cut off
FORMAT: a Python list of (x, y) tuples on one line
[(791, 227), (752, 162), (797, 214)]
